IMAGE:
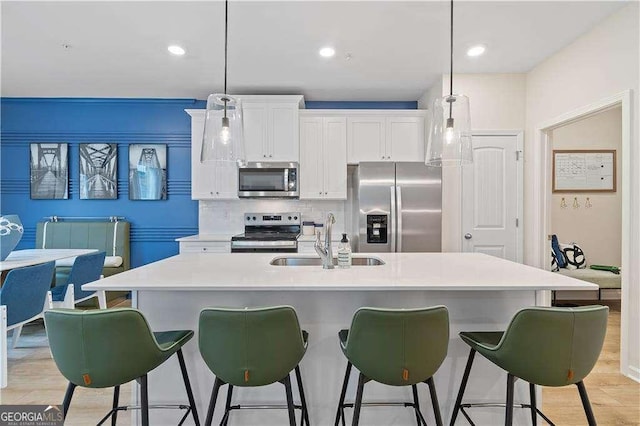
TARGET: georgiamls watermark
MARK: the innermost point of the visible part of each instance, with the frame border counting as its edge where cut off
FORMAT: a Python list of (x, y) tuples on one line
[(31, 415)]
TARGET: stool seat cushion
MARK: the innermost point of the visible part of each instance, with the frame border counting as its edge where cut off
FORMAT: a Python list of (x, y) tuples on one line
[(173, 339), (482, 339)]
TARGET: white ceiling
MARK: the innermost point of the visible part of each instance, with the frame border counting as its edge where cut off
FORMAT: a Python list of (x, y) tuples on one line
[(119, 49)]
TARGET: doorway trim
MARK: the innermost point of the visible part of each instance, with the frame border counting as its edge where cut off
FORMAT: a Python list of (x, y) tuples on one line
[(542, 197)]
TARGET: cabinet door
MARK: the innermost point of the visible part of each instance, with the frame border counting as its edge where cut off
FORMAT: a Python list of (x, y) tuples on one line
[(227, 181), (203, 180), (405, 138), (311, 158), (255, 117), (283, 141), (335, 157), (365, 139)]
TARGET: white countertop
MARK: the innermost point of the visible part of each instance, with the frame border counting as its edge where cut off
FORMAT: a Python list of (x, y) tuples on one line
[(401, 271)]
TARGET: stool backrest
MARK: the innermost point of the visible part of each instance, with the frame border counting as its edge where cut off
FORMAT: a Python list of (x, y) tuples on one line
[(85, 269), (24, 291), (398, 346), (101, 347), (553, 346), (251, 347)]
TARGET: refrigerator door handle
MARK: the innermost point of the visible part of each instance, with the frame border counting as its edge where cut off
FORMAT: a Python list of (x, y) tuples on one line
[(399, 219), (392, 232)]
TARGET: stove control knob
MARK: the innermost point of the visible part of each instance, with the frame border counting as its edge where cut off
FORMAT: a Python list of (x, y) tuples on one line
[(295, 218), (254, 218), (289, 217), (248, 217)]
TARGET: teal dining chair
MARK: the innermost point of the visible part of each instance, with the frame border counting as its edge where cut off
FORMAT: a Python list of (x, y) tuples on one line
[(23, 298), (85, 269)]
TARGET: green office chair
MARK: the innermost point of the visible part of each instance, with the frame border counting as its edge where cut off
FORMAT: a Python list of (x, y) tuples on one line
[(397, 347), (253, 347), (110, 347), (542, 346)]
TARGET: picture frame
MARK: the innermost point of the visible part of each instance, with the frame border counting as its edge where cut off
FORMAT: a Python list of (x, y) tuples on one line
[(584, 170), (48, 171), (148, 172), (98, 166)]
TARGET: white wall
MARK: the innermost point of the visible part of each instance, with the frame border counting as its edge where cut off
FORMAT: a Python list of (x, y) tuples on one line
[(597, 229), (598, 65)]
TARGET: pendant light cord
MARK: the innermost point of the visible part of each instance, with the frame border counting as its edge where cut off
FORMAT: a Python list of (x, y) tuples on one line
[(451, 66), (226, 32)]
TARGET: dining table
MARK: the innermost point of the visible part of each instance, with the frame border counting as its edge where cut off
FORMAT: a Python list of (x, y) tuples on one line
[(30, 257)]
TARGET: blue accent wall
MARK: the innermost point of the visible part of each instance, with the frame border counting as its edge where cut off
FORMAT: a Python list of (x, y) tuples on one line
[(154, 224), (361, 104)]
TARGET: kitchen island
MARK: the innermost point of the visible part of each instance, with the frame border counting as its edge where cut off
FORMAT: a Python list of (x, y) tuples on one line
[(480, 291)]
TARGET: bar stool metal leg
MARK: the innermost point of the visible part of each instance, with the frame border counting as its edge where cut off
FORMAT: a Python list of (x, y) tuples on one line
[(532, 394), (463, 385), (303, 401), (586, 404), (227, 406), (416, 404), (144, 400), (116, 397), (212, 402), (509, 409), (67, 399), (345, 383), (287, 386), (434, 401), (358, 404), (187, 385)]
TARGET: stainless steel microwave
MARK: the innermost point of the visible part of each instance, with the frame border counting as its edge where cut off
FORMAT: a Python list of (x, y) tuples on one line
[(268, 180)]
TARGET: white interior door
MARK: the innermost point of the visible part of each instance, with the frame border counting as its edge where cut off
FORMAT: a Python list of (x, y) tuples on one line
[(492, 197)]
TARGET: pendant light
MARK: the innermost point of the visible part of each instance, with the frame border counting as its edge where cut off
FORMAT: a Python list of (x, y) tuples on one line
[(223, 139), (450, 129)]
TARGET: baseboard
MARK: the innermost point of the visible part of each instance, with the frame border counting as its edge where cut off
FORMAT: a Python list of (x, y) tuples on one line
[(634, 373)]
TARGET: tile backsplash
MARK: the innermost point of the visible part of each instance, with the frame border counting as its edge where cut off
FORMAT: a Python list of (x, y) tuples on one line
[(227, 217)]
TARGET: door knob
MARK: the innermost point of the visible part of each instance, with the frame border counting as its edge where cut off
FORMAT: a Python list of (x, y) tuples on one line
[(467, 236)]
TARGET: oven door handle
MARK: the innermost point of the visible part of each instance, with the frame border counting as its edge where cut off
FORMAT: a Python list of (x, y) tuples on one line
[(260, 244)]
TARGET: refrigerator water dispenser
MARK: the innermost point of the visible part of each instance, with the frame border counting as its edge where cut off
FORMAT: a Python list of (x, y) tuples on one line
[(377, 229)]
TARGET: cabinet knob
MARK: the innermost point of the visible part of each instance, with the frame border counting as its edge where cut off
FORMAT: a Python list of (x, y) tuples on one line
[(325, 193), (383, 157), (264, 155), (217, 193), (270, 155)]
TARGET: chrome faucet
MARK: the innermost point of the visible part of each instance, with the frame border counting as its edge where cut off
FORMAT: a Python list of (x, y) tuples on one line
[(325, 252)]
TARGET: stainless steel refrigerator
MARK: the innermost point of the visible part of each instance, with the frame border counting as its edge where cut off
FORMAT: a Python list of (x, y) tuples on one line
[(397, 207)]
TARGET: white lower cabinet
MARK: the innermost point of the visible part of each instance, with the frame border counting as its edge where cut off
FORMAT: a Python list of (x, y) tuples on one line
[(323, 158), (205, 247)]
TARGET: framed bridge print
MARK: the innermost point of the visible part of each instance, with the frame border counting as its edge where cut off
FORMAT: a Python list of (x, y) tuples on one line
[(49, 171), (148, 172), (98, 171)]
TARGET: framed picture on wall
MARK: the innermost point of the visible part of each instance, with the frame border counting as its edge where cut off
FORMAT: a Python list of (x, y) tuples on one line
[(98, 171), (148, 172), (584, 170), (49, 171)]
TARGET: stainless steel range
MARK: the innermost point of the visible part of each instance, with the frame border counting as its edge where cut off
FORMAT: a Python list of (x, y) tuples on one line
[(268, 232)]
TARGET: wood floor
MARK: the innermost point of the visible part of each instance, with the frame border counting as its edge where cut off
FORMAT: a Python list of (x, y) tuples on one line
[(34, 379)]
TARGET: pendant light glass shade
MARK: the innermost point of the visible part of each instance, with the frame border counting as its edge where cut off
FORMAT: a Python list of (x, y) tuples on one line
[(449, 141), (223, 139)]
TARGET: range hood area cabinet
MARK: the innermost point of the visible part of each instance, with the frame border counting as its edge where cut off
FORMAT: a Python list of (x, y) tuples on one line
[(323, 157), (386, 136), (271, 127), (209, 182)]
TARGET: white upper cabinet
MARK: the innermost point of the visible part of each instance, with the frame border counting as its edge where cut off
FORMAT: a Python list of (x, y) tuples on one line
[(271, 127), (323, 158), (209, 181), (385, 136)]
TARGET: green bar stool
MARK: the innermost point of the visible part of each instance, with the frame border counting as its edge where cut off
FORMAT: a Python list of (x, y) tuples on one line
[(253, 347), (542, 346), (397, 347), (110, 347)]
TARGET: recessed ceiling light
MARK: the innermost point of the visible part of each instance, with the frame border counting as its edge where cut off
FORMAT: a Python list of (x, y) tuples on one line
[(327, 52), (176, 50), (476, 50)]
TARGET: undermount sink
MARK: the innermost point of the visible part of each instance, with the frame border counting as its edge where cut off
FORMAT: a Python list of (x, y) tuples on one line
[(316, 261)]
